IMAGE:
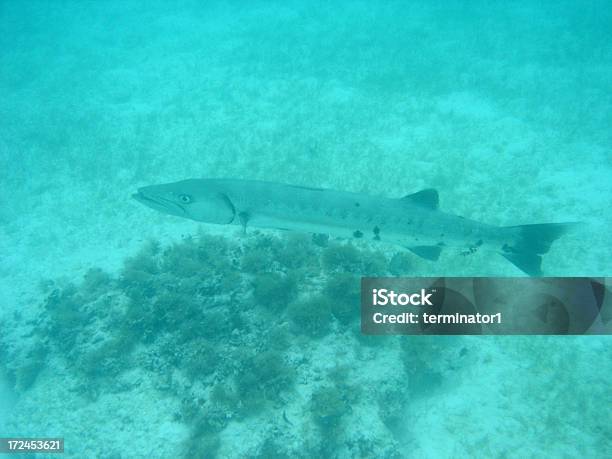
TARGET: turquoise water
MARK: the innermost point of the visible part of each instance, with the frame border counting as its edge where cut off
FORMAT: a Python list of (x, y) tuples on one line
[(132, 333)]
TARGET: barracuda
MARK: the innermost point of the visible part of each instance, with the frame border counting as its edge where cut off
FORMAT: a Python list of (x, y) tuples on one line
[(414, 221)]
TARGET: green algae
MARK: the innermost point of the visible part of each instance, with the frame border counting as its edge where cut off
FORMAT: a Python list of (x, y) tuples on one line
[(341, 257), (311, 316), (274, 291), (27, 371), (345, 290), (225, 318)]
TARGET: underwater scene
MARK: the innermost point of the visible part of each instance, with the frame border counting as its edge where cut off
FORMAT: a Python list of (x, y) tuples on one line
[(142, 316)]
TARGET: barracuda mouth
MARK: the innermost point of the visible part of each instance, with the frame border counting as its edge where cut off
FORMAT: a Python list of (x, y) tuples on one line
[(159, 203)]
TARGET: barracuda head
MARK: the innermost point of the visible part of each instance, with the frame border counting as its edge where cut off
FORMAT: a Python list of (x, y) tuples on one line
[(194, 199)]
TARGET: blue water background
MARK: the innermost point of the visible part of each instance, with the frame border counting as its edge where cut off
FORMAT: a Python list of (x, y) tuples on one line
[(504, 107)]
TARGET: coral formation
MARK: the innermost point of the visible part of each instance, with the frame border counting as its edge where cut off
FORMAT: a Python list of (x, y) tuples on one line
[(274, 291), (311, 316), (231, 330), (345, 291)]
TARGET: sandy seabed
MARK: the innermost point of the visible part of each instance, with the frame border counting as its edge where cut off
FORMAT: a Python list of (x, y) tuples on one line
[(504, 109)]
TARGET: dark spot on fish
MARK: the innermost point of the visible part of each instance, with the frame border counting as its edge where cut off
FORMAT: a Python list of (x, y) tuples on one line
[(479, 243), (357, 204), (376, 231), (441, 244), (441, 234), (358, 234)]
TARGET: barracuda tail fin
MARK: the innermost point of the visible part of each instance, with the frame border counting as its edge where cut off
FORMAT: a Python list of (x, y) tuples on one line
[(532, 241)]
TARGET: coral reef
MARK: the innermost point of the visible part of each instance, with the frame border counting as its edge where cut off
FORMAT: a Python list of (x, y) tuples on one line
[(311, 316), (232, 330)]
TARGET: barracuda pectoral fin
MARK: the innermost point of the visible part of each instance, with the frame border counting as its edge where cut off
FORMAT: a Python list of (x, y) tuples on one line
[(244, 219), (427, 198), (429, 252)]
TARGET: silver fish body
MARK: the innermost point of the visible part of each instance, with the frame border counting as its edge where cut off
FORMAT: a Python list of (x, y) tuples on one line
[(414, 221)]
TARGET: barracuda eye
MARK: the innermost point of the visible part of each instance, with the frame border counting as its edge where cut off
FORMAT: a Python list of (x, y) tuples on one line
[(184, 198)]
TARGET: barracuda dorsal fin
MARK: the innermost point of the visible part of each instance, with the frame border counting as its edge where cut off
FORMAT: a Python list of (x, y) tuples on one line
[(427, 198)]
